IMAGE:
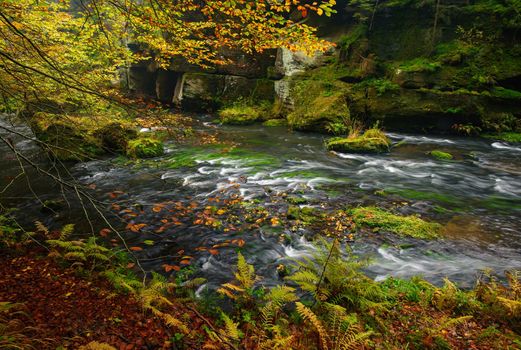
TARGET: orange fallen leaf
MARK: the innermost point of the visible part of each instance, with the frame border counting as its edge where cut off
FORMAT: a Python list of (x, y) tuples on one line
[(157, 209), (213, 251), (136, 249), (104, 232), (169, 268), (185, 262)]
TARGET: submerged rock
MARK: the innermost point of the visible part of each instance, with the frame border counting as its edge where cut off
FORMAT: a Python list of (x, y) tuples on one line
[(441, 155)]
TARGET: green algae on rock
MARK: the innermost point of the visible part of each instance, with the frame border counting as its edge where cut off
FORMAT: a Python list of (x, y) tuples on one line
[(412, 226), (440, 155), (145, 148), (371, 141)]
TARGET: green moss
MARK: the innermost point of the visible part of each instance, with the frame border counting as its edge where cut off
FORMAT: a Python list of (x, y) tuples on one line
[(372, 141), (380, 85), (319, 99), (419, 64), (441, 155), (421, 195), (506, 93), (67, 143), (145, 148), (305, 174), (296, 200), (307, 215), (505, 136), (412, 226), (219, 154), (114, 137), (275, 122), (239, 114), (349, 39)]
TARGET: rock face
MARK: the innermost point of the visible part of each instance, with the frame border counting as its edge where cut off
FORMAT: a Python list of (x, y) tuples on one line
[(193, 88), (464, 73)]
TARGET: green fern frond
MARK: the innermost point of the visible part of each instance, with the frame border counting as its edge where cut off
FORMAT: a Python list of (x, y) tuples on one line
[(245, 272), (66, 231), (513, 306), (451, 322), (174, 322), (67, 245), (75, 256), (231, 329)]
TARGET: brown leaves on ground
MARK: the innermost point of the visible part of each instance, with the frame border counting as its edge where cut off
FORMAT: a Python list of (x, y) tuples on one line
[(71, 311)]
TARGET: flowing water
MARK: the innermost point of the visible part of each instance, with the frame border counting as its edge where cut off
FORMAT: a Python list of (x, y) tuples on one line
[(477, 196)]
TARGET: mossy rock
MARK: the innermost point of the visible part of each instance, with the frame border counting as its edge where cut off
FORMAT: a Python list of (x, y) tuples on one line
[(307, 215), (295, 200), (372, 141), (67, 143), (145, 148), (275, 122), (114, 137), (412, 226), (239, 115), (441, 155), (316, 113)]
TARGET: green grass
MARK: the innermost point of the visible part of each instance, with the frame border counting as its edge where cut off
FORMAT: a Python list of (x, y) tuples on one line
[(411, 225)]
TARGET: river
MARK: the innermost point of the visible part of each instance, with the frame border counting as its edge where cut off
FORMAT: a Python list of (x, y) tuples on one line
[(476, 196)]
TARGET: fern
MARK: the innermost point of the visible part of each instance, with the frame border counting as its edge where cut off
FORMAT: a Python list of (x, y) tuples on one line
[(231, 330), (513, 306), (331, 277), (66, 231), (246, 278), (310, 316), (40, 227), (514, 282), (275, 300), (245, 272)]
